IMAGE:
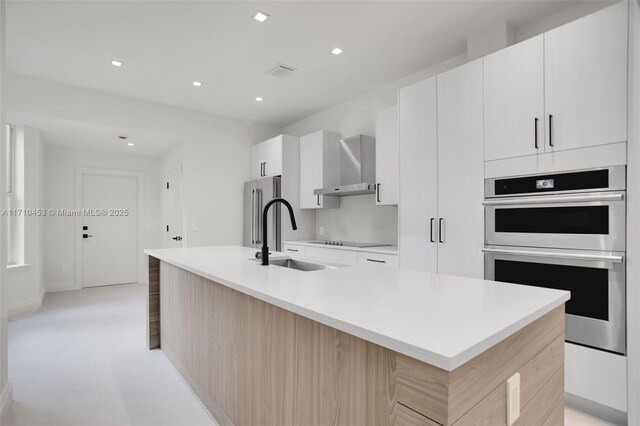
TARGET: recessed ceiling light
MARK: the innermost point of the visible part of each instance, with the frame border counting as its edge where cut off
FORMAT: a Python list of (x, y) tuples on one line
[(130, 144), (116, 63), (261, 16), (258, 99), (336, 51), (197, 83)]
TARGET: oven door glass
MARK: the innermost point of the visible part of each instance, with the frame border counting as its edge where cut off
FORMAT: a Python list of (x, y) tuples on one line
[(589, 286)]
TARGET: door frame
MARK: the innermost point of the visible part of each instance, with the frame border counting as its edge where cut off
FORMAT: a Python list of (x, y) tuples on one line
[(80, 174)]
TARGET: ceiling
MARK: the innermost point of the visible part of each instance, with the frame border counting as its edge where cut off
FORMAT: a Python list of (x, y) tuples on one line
[(83, 135), (166, 45)]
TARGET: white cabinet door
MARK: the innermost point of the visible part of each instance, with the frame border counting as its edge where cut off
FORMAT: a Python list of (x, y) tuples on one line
[(387, 161), (460, 171), (318, 156), (585, 66), (272, 157), (418, 210), (513, 100), (257, 159)]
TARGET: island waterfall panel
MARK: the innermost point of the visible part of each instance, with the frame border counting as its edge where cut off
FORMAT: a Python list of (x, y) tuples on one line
[(252, 363)]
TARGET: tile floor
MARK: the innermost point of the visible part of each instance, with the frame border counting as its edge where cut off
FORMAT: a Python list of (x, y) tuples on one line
[(82, 360)]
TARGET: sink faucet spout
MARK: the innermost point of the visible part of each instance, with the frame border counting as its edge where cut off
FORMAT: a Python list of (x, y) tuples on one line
[(265, 248)]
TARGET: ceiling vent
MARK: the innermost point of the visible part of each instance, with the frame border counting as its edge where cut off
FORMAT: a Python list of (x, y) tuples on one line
[(280, 70)]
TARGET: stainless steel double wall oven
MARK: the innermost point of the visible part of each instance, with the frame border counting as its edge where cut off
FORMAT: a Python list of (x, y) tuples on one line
[(565, 231)]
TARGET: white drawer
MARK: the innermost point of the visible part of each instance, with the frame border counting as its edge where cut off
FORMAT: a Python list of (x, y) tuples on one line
[(294, 249), (365, 258), (346, 257)]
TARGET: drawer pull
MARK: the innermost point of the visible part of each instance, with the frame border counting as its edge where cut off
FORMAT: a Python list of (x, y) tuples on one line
[(291, 249), (377, 260)]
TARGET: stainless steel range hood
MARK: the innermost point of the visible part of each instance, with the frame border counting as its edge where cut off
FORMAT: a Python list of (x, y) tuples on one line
[(357, 168)]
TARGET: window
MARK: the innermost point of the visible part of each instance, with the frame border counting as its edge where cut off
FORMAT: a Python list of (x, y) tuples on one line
[(15, 199)]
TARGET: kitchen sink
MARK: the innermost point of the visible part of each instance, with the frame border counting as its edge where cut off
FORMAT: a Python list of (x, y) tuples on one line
[(299, 265)]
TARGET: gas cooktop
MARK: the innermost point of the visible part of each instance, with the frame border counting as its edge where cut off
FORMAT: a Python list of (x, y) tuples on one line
[(348, 244)]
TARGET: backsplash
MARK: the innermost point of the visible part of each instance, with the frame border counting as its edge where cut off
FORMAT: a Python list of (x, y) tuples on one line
[(359, 219)]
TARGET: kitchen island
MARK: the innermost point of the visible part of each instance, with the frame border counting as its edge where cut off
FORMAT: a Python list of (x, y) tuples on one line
[(354, 345)]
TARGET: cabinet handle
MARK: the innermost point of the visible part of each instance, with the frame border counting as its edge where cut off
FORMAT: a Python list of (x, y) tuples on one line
[(292, 250), (440, 228), (318, 199), (535, 133), (264, 168), (550, 130), (431, 223), (378, 192), (376, 260)]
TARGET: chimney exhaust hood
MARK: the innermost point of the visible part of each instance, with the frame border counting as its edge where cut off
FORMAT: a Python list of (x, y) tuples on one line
[(357, 168)]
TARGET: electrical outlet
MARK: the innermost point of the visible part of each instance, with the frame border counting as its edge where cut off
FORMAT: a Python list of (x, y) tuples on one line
[(513, 398), (321, 230), (64, 267)]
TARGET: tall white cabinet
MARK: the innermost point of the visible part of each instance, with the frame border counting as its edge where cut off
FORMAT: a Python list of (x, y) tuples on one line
[(460, 172), (562, 90), (441, 167), (319, 168), (387, 161), (418, 208)]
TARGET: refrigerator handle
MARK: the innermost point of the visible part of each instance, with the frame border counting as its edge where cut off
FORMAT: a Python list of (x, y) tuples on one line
[(258, 213), (253, 216)]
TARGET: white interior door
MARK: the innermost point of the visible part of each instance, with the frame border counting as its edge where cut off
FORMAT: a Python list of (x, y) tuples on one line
[(110, 251), (173, 234)]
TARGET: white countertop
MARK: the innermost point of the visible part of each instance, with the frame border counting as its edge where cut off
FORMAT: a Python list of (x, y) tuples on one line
[(377, 249), (439, 319)]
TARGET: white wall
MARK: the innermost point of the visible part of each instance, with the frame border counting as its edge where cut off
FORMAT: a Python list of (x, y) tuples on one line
[(25, 282), (358, 218), (60, 185), (5, 387), (215, 152)]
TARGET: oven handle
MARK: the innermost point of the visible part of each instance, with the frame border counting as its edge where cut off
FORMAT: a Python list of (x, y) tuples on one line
[(577, 256), (555, 199)]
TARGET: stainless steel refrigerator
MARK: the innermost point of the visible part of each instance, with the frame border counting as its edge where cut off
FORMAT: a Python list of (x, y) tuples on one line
[(257, 193)]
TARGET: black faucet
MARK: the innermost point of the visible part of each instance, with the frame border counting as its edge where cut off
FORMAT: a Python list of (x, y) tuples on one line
[(265, 249)]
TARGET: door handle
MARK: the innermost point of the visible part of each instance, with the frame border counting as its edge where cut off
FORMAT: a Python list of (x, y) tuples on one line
[(86, 236), (378, 192), (535, 133), (432, 222), (550, 130), (258, 216), (177, 238), (440, 230)]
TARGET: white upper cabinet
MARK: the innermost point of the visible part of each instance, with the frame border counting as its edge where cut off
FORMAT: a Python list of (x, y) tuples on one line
[(418, 208), (586, 80), (387, 161), (514, 100), (461, 172), (319, 168), (266, 158)]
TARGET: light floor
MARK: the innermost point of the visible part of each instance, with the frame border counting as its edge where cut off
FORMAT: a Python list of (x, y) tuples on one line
[(82, 360)]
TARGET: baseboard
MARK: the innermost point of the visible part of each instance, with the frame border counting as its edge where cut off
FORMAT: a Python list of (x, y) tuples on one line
[(61, 286), (25, 307), (594, 409), (6, 398)]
